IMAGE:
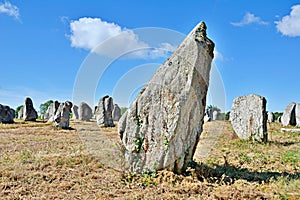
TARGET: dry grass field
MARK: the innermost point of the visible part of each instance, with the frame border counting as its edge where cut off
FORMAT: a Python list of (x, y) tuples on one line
[(38, 161)]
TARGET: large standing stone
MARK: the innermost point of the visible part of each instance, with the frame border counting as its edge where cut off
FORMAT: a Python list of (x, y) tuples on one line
[(297, 113), (271, 117), (29, 113), (116, 112), (7, 114), (289, 116), (75, 112), (85, 112), (249, 118), (20, 113), (162, 127), (62, 115), (104, 112), (51, 111)]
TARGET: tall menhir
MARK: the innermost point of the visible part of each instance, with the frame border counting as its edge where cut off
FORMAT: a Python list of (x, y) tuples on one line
[(162, 127)]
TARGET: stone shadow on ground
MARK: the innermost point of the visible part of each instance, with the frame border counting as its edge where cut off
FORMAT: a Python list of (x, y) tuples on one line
[(229, 174), (283, 143)]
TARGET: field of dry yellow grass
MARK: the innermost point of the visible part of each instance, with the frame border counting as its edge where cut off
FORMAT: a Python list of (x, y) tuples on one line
[(39, 161)]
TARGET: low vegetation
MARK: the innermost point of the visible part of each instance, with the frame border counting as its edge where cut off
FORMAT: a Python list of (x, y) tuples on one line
[(39, 161)]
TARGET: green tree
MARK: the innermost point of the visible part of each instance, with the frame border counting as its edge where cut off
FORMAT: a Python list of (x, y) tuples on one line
[(213, 108), (44, 106), (18, 109), (277, 115)]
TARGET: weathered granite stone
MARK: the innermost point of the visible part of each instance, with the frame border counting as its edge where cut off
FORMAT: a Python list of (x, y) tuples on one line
[(249, 118), (162, 126), (29, 113), (215, 115), (7, 114), (20, 113), (85, 112), (289, 116), (297, 113), (104, 112), (62, 115), (116, 113), (75, 112), (271, 117), (51, 111)]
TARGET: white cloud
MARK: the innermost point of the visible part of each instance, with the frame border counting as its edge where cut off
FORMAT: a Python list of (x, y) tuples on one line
[(159, 52), (9, 9), (290, 25), (88, 33), (249, 18)]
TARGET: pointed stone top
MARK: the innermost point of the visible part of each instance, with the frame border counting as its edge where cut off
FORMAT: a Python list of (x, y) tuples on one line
[(201, 36)]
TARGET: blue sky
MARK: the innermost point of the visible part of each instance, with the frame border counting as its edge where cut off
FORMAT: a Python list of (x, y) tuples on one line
[(44, 44)]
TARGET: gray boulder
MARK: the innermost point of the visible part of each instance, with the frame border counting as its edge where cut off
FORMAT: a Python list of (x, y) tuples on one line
[(297, 113), (116, 112), (162, 127), (215, 115), (51, 111), (289, 115), (104, 112), (7, 114), (85, 112), (271, 117), (75, 112), (62, 115), (20, 113), (249, 118), (29, 113)]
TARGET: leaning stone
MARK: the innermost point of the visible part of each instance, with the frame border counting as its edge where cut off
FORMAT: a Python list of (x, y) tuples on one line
[(271, 117), (29, 113), (7, 114), (62, 116), (85, 112), (249, 118), (289, 116), (162, 127), (116, 112), (104, 112)]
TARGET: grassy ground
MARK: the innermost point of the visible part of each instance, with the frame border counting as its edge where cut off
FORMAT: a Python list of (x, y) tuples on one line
[(38, 161)]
